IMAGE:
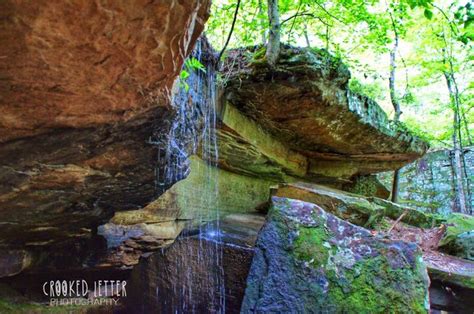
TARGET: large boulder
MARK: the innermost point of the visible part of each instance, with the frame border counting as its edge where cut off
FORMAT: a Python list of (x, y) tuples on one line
[(450, 270), (309, 261), (82, 64), (354, 208), (464, 245), (459, 237)]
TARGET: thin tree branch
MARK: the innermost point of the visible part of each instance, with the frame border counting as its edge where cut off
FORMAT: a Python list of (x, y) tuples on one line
[(305, 14), (330, 14), (294, 20), (231, 31), (455, 31)]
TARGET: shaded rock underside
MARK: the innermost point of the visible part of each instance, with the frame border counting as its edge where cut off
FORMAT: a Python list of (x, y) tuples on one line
[(84, 85), (304, 102)]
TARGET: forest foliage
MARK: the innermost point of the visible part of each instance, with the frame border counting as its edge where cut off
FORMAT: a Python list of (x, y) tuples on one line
[(434, 45)]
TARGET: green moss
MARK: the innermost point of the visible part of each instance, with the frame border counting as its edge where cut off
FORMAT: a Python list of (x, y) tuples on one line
[(328, 273), (368, 288), (364, 185), (310, 245), (456, 224), (383, 225), (460, 279), (260, 53), (413, 217)]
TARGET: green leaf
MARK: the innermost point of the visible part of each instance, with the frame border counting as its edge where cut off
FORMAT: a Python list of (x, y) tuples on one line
[(428, 14), (184, 74), (193, 64)]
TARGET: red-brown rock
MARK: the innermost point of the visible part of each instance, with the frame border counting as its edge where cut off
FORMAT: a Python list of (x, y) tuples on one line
[(83, 85), (86, 63)]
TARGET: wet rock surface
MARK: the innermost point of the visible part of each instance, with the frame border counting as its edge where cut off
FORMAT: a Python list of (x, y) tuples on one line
[(205, 194), (307, 260), (203, 271), (86, 151)]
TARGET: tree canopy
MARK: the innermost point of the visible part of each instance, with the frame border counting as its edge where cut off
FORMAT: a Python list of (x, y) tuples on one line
[(434, 38)]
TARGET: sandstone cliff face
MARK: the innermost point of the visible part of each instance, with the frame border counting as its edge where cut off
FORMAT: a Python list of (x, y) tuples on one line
[(427, 184), (84, 84), (87, 63)]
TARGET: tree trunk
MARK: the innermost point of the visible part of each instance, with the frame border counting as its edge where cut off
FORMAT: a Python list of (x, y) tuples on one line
[(273, 45), (306, 37), (327, 38), (396, 107), (457, 149), (391, 80), (395, 185), (466, 127), (461, 117), (264, 30), (468, 186)]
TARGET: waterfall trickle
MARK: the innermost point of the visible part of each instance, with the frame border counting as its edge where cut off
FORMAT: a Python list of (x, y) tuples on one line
[(193, 131)]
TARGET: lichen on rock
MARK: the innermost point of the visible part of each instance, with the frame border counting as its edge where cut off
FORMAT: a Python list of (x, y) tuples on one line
[(319, 262), (458, 239)]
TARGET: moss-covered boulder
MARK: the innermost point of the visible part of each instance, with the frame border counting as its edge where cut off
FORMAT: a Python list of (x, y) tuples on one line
[(359, 210), (459, 237), (309, 261), (464, 245)]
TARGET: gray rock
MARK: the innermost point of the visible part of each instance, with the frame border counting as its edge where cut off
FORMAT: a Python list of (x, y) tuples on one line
[(309, 261)]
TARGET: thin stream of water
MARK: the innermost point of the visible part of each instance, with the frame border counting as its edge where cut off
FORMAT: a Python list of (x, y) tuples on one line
[(194, 130)]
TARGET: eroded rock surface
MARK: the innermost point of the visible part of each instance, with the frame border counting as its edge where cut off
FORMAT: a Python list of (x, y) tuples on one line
[(434, 234), (307, 260), (353, 208), (86, 63), (304, 102), (84, 86), (13, 262), (206, 194)]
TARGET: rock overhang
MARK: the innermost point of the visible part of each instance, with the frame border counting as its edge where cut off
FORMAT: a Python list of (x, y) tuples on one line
[(305, 104), (84, 86)]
